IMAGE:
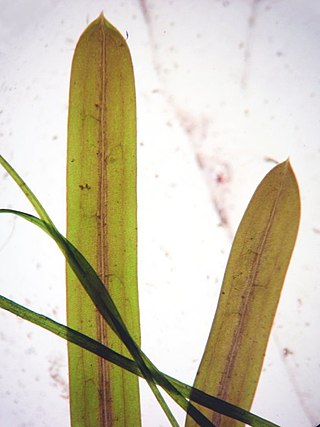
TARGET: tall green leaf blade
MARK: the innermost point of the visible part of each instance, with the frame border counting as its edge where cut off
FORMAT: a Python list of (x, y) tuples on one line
[(102, 220), (259, 258)]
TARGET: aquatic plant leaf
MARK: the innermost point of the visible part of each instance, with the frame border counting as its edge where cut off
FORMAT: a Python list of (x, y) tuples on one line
[(256, 269), (102, 220)]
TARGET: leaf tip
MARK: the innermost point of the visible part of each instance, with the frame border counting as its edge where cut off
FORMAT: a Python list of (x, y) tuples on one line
[(286, 165), (102, 19)]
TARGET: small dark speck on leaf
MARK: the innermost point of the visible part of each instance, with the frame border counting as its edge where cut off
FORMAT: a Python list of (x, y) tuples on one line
[(127, 35), (84, 187)]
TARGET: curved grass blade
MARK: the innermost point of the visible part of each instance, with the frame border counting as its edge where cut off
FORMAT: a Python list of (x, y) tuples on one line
[(100, 350), (26, 190), (102, 220), (100, 296), (102, 300), (259, 258)]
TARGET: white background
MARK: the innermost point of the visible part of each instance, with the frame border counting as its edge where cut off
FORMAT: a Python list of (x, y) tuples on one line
[(223, 87)]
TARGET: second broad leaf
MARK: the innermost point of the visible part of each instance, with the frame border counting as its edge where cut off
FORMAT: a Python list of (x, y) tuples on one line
[(256, 269)]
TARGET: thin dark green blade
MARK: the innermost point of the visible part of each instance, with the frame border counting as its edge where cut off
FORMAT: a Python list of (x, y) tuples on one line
[(100, 296), (99, 349)]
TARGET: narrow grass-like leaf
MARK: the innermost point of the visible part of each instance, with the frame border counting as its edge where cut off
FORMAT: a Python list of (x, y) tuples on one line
[(100, 296), (102, 351), (26, 190), (102, 220), (259, 258)]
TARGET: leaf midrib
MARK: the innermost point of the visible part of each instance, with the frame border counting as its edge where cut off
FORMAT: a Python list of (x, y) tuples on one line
[(222, 391)]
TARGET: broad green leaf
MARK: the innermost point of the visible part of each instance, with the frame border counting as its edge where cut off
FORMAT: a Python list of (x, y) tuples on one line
[(259, 258), (100, 350), (102, 220)]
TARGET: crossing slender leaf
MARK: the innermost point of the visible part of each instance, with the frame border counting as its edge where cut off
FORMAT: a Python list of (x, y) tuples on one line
[(100, 350), (100, 296)]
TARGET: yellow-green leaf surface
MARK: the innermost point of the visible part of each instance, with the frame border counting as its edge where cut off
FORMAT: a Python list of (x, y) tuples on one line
[(259, 258), (102, 220)]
